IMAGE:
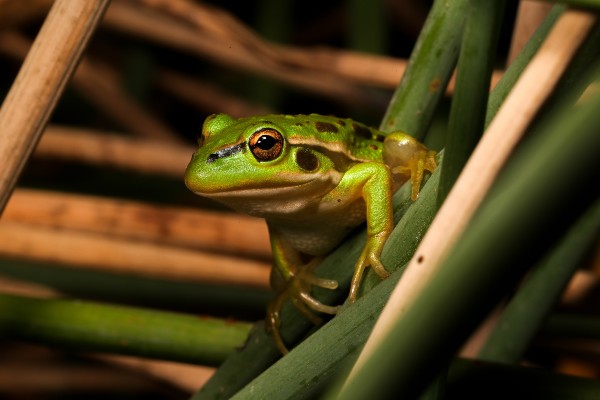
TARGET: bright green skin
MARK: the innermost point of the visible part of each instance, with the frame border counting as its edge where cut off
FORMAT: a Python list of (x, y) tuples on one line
[(329, 177)]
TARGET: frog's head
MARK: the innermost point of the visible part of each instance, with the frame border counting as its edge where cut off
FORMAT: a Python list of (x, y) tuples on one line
[(254, 158)]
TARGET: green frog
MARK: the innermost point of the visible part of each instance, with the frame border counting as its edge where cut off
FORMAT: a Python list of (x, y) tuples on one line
[(314, 179)]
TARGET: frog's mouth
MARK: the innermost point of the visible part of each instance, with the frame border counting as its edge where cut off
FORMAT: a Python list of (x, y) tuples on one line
[(308, 186), (267, 202)]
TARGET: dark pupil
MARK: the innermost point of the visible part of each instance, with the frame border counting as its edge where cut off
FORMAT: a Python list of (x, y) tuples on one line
[(265, 142)]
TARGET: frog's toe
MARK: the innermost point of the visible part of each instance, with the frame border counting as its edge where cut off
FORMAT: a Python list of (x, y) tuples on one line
[(306, 311), (408, 159), (317, 305), (273, 322), (368, 258), (330, 284), (307, 274), (300, 289), (379, 269), (430, 163), (415, 168)]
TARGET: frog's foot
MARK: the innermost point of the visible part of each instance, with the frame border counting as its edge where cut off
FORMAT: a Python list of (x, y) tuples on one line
[(298, 291), (408, 159), (301, 284), (423, 161), (368, 258)]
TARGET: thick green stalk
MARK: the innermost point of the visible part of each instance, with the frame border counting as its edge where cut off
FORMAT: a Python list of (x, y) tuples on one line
[(247, 303), (535, 199), (84, 326), (429, 69), (474, 72), (528, 309)]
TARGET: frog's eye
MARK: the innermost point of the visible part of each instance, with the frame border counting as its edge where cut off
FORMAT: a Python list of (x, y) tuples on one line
[(266, 144)]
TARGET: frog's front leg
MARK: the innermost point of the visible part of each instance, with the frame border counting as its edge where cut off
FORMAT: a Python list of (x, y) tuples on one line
[(373, 182), (298, 281)]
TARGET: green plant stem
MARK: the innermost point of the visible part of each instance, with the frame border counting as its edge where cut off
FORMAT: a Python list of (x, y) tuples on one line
[(247, 303), (535, 195), (92, 327), (474, 72), (429, 69), (527, 310)]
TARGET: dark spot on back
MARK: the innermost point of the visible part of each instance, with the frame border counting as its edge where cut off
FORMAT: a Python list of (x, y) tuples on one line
[(380, 138), (326, 127), (362, 131), (373, 147), (341, 122), (299, 124), (307, 160)]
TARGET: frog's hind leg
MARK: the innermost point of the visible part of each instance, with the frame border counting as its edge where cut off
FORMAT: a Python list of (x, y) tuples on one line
[(295, 282), (297, 276), (408, 159), (298, 292)]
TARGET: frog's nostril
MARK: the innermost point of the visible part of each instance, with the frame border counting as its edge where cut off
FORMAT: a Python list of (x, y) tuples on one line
[(225, 152)]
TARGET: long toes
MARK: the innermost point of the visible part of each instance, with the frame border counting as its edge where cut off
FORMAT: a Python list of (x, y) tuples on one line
[(317, 305), (380, 270), (323, 283), (279, 343), (307, 312)]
